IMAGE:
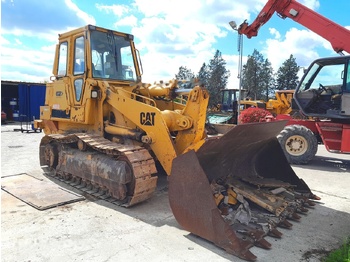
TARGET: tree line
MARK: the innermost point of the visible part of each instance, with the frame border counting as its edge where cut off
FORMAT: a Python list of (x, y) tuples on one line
[(258, 77)]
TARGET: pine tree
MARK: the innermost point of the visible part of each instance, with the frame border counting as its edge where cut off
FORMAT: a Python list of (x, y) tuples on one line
[(267, 81), (257, 76), (184, 74), (251, 74), (218, 78), (287, 74), (203, 75)]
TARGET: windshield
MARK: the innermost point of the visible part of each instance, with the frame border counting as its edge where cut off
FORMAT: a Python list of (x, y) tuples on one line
[(111, 57), (327, 74), (308, 79)]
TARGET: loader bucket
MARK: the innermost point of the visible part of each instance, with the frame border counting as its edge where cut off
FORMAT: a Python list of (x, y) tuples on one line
[(249, 159), (249, 151)]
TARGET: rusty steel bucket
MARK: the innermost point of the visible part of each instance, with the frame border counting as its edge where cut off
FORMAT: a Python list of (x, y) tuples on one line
[(247, 153)]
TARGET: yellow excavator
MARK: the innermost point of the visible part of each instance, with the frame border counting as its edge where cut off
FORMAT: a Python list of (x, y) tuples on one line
[(105, 131)]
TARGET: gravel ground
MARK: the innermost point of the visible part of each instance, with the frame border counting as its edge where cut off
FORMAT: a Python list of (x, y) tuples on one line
[(95, 230)]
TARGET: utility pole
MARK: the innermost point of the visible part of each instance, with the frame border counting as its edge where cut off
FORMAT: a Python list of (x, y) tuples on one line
[(240, 65)]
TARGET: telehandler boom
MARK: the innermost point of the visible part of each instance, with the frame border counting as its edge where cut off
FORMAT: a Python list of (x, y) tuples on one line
[(105, 131), (336, 34)]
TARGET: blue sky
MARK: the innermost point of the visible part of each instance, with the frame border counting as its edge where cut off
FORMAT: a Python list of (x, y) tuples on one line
[(168, 33)]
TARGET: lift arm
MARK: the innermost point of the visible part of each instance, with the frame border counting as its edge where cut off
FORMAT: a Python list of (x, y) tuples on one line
[(337, 35)]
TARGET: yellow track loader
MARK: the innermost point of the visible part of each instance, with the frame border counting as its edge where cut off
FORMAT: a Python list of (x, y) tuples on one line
[(105, 131)]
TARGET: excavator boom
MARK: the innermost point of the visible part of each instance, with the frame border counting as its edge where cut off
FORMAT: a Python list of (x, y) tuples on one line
[(337, 35)]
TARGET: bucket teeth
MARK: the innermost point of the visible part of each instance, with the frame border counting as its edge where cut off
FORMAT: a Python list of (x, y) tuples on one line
[(302, 210), (310, 203), (250, 231), (245, 244), (275, 233), (294, 216), (314, 197), (263, 243), (285, 224), (247, 255)]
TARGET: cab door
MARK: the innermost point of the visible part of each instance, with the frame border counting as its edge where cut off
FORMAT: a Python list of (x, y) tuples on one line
[(58, 95), (345, 100), (78, 79)]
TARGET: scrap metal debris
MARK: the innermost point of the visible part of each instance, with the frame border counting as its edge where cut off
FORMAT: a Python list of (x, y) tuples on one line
[(256, 213)]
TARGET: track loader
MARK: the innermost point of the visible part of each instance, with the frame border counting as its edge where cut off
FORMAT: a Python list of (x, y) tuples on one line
[(105, 131)]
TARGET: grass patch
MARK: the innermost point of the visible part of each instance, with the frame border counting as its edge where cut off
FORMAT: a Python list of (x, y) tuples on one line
[(341, 254)]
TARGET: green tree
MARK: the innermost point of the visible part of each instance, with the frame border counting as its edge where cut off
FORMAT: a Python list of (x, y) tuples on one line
[(218, 78), (257, 76), (203, 75), (267, 81), (251, 74), (184, 74), (287, 74)]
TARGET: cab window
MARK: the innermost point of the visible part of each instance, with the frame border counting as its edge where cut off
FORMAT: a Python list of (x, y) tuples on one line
[(112, 56), (62, 59), (78, 87), (79, 58), (347, 88)]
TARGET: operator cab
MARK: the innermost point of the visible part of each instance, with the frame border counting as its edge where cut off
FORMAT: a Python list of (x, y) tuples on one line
[(88, 59), (324, 91), (98, 53)]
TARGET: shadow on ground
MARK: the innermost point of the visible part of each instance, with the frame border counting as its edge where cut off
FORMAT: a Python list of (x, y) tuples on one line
[(330, 164)]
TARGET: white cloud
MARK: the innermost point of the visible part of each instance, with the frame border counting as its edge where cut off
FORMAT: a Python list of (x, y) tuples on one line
[(218, 12), (301, 43), (18, 41), (160, 66), (88, 19), (127, 21), (117, 10), (24, 64), (232, 66), (27, 52), (4, 41), (184, 33), (25, 77), (18, 32), (275, 33), (165, 47)]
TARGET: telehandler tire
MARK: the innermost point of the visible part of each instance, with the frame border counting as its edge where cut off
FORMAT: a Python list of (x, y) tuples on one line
[(298, 143)]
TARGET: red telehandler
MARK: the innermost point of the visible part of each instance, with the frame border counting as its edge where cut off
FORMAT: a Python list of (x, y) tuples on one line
[(323, 93)]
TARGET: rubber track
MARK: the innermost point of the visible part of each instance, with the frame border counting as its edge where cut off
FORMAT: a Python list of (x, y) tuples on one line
[(141, 161)]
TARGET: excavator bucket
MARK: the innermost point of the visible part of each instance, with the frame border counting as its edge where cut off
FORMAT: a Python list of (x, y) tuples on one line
[(238, 188)]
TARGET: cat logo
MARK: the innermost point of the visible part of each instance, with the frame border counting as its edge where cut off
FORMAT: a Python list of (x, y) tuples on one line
[(147, 118)]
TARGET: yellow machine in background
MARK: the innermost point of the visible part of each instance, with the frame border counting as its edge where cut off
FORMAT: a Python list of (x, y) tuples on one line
[(282, 104), (105, 131), (227, 111)]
